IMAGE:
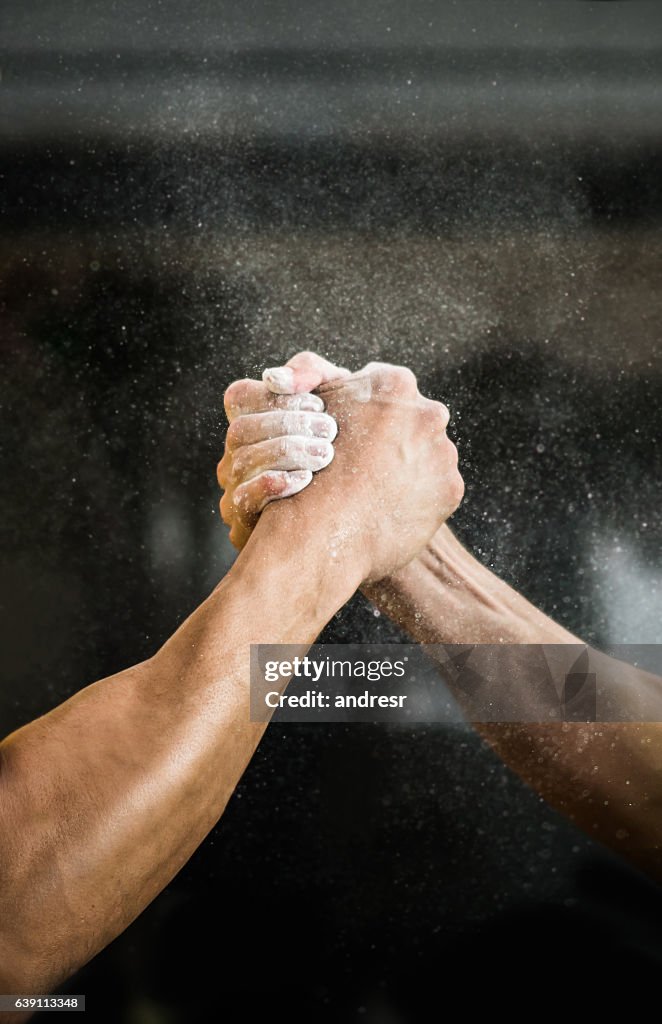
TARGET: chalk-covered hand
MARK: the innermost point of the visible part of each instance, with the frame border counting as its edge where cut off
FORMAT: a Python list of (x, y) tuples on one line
[(395, 476), (275, 442)]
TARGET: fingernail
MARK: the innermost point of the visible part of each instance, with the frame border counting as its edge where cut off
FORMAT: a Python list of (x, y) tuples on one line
[(325, 426), (321, 448), (279, 379), (310, 403)]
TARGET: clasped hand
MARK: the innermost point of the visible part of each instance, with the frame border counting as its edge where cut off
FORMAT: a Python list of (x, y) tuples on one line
[(389, 482)]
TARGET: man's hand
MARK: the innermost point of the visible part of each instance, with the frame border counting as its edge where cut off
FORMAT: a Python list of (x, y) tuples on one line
[(274, 445), (395, 477)]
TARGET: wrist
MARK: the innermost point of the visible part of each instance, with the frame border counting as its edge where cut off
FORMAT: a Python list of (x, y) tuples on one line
[(303, 549), (319, 519), (404, 585), (446, 596)]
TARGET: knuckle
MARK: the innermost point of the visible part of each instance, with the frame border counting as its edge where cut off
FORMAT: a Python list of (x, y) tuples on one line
[(236, 392), (246, 503), (398, 379), (306, 357), (442, 413), (376, 371), (448, 452), (240, 464), (233, 438), (242, 499), (456, 484), (435, 415), (406, 377), (429, 416), (222, 472), (459, 487), (225, 508)]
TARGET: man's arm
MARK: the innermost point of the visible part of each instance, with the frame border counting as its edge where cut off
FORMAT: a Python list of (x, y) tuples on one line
[(604, 776), (105, 798)]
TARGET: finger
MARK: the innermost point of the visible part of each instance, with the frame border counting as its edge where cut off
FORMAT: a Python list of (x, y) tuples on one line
[(224, 470), (252, 497), (288, 453), (440, 413), (248, 396), (226, 507), (303, 372), (239, 534), (388, 378), (265, 425)]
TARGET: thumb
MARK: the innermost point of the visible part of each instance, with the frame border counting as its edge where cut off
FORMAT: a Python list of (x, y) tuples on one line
[(303, 372)]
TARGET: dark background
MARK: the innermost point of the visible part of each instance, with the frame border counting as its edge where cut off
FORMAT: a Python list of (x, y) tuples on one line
[(190, 192)]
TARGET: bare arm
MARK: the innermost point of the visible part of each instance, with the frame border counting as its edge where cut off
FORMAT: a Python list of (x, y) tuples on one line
[(104, 799), (605, 776)]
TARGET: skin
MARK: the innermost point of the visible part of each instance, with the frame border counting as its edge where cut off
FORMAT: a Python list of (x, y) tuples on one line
[(366, 406), (603, 775), (105, 798)]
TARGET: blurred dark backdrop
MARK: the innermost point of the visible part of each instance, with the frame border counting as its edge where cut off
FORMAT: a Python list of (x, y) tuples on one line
[(192, 192)]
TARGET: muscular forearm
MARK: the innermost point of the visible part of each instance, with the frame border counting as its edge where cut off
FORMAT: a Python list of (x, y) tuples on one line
[(446, 596), (106, 797), (605, 776)]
